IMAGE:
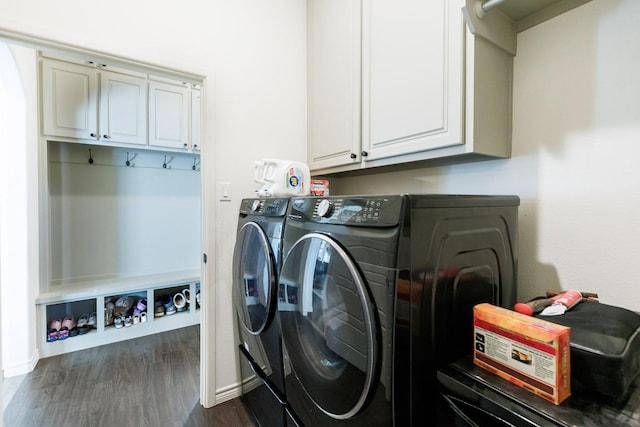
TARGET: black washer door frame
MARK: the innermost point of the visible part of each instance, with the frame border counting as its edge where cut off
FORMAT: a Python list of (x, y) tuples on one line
[(255, 303), (329, 326)]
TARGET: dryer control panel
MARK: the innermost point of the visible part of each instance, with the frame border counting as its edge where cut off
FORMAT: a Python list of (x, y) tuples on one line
[(371, 211)]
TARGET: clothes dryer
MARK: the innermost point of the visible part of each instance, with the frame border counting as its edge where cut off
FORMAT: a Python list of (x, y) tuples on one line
[(366, 295), (256, 262)]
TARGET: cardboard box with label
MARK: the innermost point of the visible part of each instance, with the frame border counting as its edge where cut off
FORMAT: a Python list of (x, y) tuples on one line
[(529, 352)]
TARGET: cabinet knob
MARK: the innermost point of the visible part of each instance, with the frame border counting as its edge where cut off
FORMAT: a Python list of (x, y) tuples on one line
[(353, 155), (92, 135), (185, 145), (106, 136), (195, 145), (364, 154)]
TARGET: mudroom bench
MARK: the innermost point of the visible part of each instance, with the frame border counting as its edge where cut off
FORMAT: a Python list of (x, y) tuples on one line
[(112, 310)]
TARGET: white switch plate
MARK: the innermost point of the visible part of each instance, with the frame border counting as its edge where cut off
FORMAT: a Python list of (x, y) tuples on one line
[(224, 191)]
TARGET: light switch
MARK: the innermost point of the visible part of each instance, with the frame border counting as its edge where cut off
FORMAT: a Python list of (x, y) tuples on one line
[(224, 191)]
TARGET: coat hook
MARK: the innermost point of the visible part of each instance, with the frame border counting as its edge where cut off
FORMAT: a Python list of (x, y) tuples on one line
[(194, 164), (90, 157), (128, 163), (164, 165)]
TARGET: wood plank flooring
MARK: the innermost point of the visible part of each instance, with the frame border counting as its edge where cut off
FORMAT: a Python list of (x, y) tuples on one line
[(150, 381)]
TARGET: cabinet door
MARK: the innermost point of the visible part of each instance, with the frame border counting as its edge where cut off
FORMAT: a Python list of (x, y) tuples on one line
[(196, 119), (123, 108), (69, 100), (168, 115), (412, 76), (333, 83)]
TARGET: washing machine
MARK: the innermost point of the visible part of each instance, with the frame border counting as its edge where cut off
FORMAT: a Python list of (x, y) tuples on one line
[(256, 261), (376, 292)]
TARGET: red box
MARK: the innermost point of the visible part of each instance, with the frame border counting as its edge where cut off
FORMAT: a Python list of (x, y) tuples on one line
[(527, 351)]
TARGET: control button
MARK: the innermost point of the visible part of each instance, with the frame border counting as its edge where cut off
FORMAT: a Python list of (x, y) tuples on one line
[(255, 206), (325, 208)]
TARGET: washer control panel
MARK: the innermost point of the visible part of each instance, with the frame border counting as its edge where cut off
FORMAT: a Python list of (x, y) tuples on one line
[(264, 207)]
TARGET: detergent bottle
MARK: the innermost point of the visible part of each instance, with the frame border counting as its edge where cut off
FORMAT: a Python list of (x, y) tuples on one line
[(281, 178)]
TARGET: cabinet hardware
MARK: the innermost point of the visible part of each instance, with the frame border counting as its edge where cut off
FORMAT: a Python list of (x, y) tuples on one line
[(164, 165), (92, 135), (353, 155), (106, 136), (364, 154), (90, 157), (128, 163)]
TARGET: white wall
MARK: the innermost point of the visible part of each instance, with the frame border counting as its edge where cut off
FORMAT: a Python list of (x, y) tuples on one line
[(576, 141), (253, 55), (18, 208)]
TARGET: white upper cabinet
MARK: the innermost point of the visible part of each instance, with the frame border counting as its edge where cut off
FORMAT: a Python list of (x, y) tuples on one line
[(123, 108), (411, 76), (69, 100), (403, 81), (334, 82), (84, 101), (169, 115)]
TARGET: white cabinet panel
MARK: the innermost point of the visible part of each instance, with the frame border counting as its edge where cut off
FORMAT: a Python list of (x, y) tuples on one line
[(123, 108), (69, 98), (168, 115), (334, 82), (412, 76)]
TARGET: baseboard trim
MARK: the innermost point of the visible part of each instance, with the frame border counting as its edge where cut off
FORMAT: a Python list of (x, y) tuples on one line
[(22, 368), (227, 393)]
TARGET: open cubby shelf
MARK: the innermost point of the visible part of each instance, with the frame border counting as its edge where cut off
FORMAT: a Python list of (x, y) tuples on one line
[(82, 299)]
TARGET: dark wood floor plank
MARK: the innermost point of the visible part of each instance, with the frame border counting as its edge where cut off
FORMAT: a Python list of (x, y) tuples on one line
[(150, 381)]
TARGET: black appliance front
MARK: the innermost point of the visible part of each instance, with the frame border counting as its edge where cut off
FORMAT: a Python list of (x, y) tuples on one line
[(256, 260), (371, 285)]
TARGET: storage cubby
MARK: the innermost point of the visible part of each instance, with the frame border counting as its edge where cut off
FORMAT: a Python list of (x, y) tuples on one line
[(75, 311), (103, 297)]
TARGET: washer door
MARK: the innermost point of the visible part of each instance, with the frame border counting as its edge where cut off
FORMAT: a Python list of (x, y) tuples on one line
[(254, 279), (328, 325)]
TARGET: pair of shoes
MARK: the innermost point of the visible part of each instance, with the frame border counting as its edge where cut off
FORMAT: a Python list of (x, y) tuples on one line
[(118, 322), (167, 304), (180, 302), (83, 324), (128, 321), (141, 306), (143, 317), (159, 311), (69, 327), (53, 334), (123, 305)]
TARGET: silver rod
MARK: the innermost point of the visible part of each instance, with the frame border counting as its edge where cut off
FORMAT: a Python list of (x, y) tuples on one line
[(490, 4)]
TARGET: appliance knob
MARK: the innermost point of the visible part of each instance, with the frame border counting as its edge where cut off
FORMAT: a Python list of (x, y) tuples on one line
[(255, 205), (325, 208)]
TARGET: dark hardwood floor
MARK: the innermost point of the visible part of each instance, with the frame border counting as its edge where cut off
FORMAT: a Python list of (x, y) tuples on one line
[(149, 381)]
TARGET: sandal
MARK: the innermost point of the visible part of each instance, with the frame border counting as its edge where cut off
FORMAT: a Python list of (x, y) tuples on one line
[(92, 322), (143, 317), (83, 324), (53, 334), (186, 293), (70, 323)]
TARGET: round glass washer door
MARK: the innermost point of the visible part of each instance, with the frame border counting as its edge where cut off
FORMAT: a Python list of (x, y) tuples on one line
[(328, 325), (254, 279)]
